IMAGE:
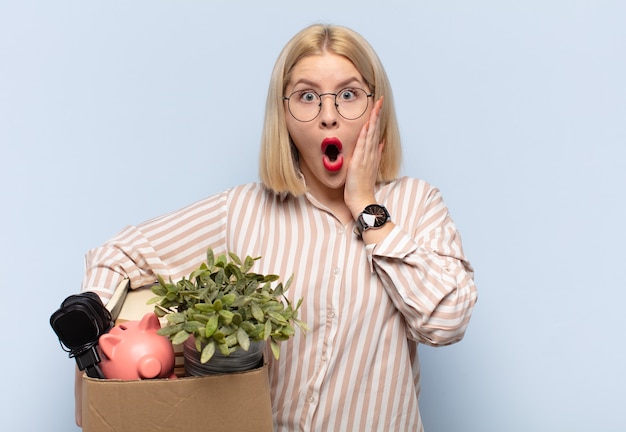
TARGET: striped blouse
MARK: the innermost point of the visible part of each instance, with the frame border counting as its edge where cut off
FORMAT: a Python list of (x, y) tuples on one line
[(367, 307)]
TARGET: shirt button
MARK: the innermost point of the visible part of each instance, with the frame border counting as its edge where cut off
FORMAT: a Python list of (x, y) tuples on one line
[(310, 399), (341, 231), (336, 271), (331, 313)]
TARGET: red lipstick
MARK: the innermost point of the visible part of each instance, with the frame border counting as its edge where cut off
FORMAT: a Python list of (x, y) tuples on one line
[(332, 157)]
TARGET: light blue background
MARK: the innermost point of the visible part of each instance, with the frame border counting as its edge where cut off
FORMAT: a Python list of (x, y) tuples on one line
[(115, 112)]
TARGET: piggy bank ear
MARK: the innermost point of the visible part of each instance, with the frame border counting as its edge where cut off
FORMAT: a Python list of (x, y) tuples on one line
[(107, 343), (149, 322)]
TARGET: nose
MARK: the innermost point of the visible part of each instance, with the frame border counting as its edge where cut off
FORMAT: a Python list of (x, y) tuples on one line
[(328, 111)]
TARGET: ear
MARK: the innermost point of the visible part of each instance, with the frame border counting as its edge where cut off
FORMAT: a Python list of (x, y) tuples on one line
[(149, 322), (107, 343)]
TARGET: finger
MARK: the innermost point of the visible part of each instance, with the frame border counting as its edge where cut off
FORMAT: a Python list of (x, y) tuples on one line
[(373, 132), (381, 147), (363, 134)]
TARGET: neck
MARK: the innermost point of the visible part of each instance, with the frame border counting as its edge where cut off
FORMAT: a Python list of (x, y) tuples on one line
[(334, 201)]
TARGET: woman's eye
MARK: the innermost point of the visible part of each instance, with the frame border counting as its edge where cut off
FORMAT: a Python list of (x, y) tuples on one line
[(308, 97), (347, 94)]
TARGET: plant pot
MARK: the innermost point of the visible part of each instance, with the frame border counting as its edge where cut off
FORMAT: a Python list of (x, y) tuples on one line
[(237, 361)]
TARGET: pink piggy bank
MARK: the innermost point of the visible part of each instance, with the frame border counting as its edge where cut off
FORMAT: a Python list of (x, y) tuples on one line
[(133, 350)]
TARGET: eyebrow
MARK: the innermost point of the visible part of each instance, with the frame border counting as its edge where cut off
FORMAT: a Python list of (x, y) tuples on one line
[(341, 85)]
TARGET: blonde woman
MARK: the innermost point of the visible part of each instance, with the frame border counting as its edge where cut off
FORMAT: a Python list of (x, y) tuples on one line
[(377, 258)]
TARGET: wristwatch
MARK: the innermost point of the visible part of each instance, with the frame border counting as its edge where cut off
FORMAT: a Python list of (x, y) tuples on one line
[(373, 216)]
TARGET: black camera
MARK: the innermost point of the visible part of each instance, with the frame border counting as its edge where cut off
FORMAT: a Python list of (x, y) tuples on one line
[(79, 323)]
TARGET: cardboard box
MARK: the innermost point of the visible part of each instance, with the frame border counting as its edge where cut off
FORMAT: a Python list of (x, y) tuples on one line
[(231, 402)]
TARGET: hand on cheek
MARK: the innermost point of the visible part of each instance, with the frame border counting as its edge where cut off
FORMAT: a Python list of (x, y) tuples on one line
[(363, 168)]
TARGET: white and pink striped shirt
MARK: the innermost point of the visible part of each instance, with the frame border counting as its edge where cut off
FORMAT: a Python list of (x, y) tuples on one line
[(367, 306)]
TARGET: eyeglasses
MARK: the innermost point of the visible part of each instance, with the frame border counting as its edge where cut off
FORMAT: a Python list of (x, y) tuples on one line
[(305, 105)]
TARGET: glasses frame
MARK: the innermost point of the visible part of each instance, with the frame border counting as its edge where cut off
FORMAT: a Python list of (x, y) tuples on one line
[(319, 106)]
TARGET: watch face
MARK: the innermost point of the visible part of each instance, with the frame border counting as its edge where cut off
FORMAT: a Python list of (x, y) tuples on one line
[(375, 215)]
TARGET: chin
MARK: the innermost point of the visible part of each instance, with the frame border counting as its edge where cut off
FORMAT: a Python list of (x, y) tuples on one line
[(338, 182)]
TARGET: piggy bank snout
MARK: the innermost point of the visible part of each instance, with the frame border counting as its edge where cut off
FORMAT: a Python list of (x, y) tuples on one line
[(149, 367)]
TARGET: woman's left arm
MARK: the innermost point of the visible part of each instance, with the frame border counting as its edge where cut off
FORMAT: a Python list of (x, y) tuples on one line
[(423, 269)]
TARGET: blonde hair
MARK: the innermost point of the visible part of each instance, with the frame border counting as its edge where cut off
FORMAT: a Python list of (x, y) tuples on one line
[(279, 158)]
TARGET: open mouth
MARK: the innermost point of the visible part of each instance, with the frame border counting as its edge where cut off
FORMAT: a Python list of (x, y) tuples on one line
[(331, 151), (332, 159)]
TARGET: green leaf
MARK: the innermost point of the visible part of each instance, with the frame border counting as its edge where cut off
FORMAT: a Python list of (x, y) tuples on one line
[(251, 287), (210, 259), (226, 316), (160, 312), (223, 348), (273, 305), (192, 326), (248, 327), (278, 291), (228, 329), (221, 261), (161, 281), (232, 269), (257, 312), (270, 278), (180, 337), (275, 349), (170, 330), (268, 330), (235, 258), (154, 300), (220, 278), (211, 325), (288, 330), (231, 340), (219, 337), (159, 290), (176, 318), (288, 283), (243, 339), (248, 264), (207, 352), (228, 299), (301, 325), (217, 305), (204, 307), (241, 301), (201, 318), (259, 332), (277, 318)]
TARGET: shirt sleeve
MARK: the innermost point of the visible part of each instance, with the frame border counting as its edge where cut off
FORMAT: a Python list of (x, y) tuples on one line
[(171, 246), (424, 271)]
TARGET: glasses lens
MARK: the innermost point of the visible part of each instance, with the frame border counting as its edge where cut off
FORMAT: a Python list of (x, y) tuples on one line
[(352, 103), (304, 105)]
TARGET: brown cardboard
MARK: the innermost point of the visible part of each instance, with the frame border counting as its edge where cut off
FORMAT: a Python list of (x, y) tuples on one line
[(231, 402)]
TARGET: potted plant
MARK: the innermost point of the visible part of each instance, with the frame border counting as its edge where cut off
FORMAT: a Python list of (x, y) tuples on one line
[(223, 310)]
